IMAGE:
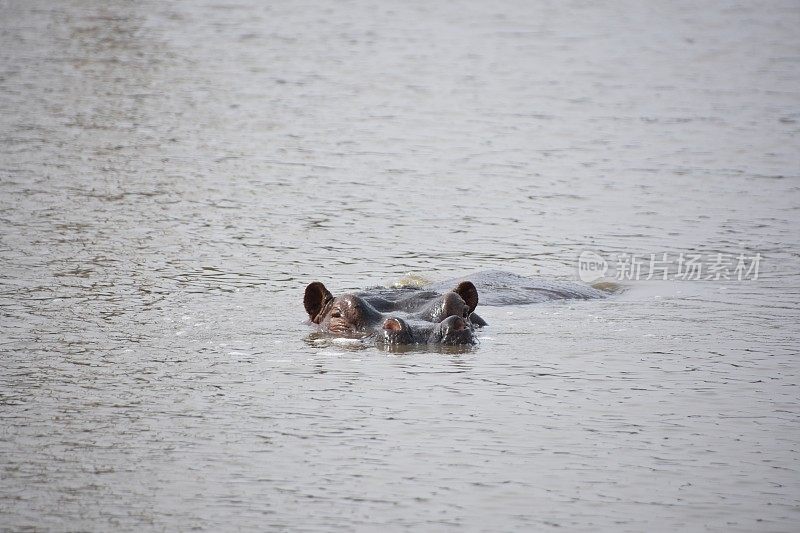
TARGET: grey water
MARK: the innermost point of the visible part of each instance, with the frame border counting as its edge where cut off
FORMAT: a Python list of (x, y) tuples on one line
[(173, 174)]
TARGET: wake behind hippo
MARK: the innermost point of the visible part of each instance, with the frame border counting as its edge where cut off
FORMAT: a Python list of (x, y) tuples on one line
[(440, 313)]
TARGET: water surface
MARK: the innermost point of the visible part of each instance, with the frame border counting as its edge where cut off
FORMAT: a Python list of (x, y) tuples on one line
[(172, 175)]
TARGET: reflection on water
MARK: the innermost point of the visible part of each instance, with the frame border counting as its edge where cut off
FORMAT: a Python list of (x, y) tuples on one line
[(172, 176)]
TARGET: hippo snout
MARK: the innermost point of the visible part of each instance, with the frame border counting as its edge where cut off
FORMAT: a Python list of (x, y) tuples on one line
[(453, 330)]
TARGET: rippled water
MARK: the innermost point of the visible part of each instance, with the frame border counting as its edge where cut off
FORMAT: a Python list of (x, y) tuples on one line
[(172, 175)]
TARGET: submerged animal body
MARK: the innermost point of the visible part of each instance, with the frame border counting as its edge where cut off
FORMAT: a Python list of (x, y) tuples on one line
[(439, 313)]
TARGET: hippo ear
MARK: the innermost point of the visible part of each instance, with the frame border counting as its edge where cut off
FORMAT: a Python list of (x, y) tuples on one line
[(315, 299), (468, 293)]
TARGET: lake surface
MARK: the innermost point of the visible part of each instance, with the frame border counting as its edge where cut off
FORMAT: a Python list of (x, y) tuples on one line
[(172, 176)]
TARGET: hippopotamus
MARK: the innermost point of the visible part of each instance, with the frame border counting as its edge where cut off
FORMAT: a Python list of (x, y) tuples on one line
[(439, 313), (398, 317)]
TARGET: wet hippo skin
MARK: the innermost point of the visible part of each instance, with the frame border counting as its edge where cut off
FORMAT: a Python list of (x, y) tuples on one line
[(423, 317), (440, 313)]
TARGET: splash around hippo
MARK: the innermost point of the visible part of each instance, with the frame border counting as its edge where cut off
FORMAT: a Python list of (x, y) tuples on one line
[(437, 314)]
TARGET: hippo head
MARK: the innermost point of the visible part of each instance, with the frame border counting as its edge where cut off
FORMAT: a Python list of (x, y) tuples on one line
[(440, 319), (347, 315)]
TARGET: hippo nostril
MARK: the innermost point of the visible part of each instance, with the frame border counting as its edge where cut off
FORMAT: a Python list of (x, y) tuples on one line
[(392, 324), (396, 331), (458, 324)]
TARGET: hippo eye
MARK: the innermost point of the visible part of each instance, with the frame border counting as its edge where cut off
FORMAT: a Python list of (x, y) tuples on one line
[(336, 313)]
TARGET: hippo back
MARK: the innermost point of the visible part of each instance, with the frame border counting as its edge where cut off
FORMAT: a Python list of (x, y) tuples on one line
[(496, 288)]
